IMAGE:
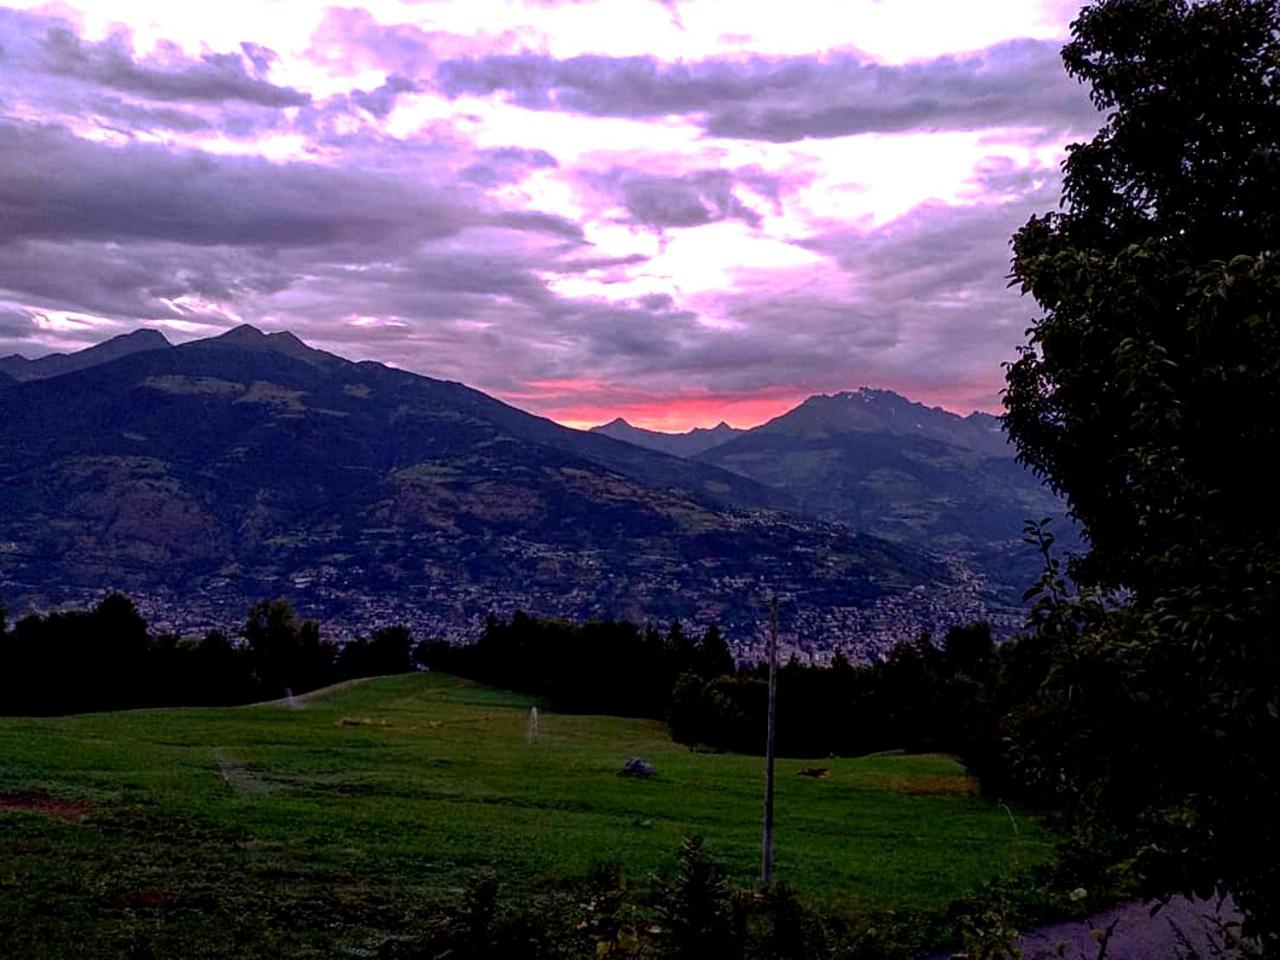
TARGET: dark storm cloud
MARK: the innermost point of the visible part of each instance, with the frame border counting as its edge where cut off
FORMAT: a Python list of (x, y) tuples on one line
[(1017, 83), (214, 77), (686, 200)]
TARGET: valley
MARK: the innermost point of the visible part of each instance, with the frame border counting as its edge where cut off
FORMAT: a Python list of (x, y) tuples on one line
[(231, 831), (201, 477)]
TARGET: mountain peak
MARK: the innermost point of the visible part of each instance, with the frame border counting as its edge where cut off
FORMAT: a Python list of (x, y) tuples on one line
[(862, 394), (244, 333), (687, 444), (248, 337), (870, 410), (143, 335), (144, 339)]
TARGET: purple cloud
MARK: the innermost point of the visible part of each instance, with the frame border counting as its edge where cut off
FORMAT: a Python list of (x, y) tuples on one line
[(57, 186), (485, 244), (169, 76), (689, 199), (505, 164), (379, 102), (1017, 83)]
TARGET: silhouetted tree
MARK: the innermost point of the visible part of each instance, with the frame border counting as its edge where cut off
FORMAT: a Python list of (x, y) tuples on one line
[(1147, 395), (286, 653), (387, 651), (714, 656)]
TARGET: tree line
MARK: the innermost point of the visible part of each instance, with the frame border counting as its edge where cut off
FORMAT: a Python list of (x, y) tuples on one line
[(942, 696), (107, 658), (926, 695)]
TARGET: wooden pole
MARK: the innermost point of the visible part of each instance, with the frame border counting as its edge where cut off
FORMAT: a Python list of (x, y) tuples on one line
[(766, 859)]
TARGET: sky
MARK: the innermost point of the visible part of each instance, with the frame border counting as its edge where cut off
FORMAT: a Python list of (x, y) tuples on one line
[(675, 211)]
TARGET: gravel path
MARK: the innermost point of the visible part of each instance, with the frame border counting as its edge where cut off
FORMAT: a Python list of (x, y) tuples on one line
[(1182, 930)]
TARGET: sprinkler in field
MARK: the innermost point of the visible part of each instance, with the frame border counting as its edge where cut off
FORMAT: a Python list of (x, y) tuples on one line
[(532, 733)]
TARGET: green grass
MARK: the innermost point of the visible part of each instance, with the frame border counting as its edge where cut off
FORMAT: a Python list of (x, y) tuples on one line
[(268, 829)]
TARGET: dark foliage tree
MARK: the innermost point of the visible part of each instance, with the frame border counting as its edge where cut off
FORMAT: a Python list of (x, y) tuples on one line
[(598, 667), (714, 657), (218, 671), (286, 653), (923, 696), (106, 658), (78, 660), (387, 651), (1147, 395)]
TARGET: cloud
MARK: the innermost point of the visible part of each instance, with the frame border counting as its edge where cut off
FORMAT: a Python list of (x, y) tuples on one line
[(597, 264), (1016, 83), (631, 241), (690, 199), (15, 325), (57, 186), (506, 164), (380, 101), (131, 118), (169, 74), (535, 220), (138, 280), (145, 231), (350, 39), (54, 75), (920, 301)]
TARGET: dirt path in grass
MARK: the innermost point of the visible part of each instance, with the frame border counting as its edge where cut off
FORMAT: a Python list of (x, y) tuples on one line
[(300, 700), (236, 776), (1182, 930), (30, 801)]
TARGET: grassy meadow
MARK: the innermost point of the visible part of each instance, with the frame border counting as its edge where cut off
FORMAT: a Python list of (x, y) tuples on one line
[(297, 829)]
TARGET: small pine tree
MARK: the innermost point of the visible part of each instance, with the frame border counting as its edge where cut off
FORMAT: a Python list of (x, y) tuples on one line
[(696, 910)]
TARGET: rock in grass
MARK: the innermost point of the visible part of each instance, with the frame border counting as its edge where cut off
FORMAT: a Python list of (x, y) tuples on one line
[(638, 767)]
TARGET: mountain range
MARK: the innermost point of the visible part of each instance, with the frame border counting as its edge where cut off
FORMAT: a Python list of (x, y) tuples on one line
[(912, 474), (688, 444), (203, 476), (19, 368)]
